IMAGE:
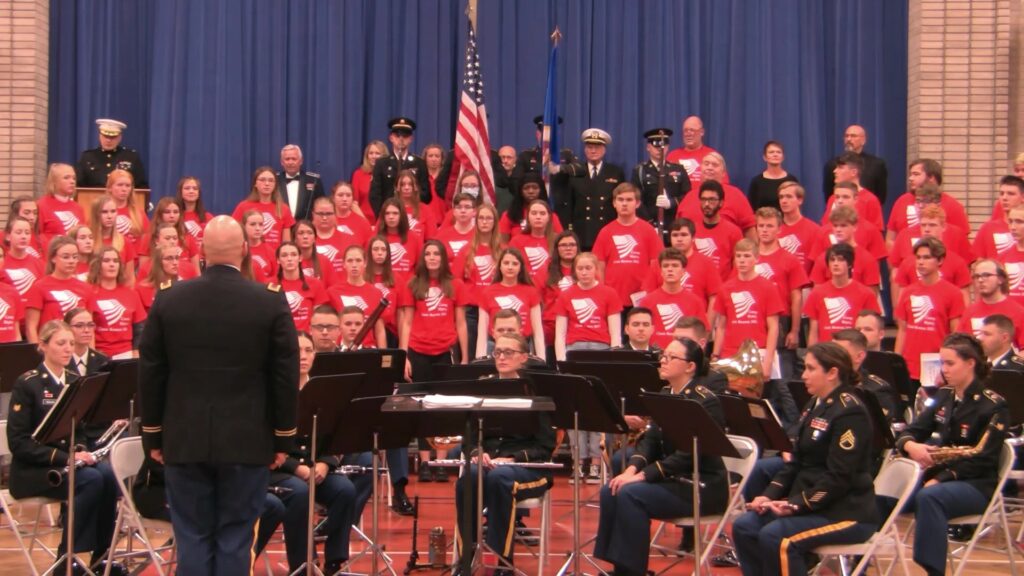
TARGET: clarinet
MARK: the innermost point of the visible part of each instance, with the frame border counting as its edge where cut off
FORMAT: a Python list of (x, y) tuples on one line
[(370, 321)]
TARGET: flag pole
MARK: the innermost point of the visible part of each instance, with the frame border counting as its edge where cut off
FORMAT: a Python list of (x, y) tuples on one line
[(471, 13)]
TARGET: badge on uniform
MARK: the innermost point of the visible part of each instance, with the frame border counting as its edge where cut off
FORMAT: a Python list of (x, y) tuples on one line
[(940, 415), (16, 407), (964, 429), (847, 441), (310, 186), (47, 394), (124, 165), (819, 424)]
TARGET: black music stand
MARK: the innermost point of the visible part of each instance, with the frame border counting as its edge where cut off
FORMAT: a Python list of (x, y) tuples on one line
[(16, 358), (1007, 383), (470, 422), (604, 356), (321, 402), (687, 423), (755, 420), (798, 390), (76, 399), (117, 400), (581, 402), (892, 368), (882, 437), (464, 371), (383, 368)]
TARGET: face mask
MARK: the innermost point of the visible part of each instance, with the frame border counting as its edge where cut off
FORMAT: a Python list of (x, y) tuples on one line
[(472, 191)]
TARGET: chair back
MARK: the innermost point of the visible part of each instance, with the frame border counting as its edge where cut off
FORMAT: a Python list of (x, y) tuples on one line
[(5, 450), (126, 457), (897, 479), (749, 453)]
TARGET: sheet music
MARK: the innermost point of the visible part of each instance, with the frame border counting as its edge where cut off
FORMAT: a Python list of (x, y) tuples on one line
[(447, 401), (507, 403)]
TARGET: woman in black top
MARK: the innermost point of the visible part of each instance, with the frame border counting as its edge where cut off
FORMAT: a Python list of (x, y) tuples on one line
[(764, 188)]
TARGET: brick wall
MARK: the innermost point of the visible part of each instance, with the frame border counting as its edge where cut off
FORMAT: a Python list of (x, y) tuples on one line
[(959, 94), (24, 94)]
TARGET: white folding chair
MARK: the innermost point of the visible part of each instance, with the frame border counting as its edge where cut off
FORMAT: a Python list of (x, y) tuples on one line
[(897, 479), (41, 504), (994, 517), (126, 457), (742, 467)]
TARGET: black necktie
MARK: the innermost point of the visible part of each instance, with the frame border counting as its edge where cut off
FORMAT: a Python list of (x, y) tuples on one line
[(81, 367), (593, 172)]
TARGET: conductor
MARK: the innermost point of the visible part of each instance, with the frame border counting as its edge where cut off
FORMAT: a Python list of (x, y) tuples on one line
[(217, 371)]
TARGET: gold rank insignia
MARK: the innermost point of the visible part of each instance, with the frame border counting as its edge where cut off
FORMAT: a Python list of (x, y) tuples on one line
[(847, 441), (16, 407), (274, 287), (166, 285)]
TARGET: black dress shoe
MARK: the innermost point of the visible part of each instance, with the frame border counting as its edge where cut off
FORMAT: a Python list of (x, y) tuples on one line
[(116, 568), (686, 543), (440, 474), (426, 474), (333, 567), (401, 504)]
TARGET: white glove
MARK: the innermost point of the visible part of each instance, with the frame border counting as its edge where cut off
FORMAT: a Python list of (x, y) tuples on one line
[(663, 202)]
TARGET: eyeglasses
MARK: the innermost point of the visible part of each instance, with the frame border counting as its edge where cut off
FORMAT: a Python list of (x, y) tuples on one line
[(83, 325), (983, 275), (325, 327), (709, 200), (506, 352), (323, 214), (567, 245), (663, 357)]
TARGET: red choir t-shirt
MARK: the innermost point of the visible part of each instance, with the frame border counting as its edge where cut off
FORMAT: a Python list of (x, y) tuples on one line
[(953, 270), (520, 298), (115, 311), (22, 273), (865, 235), (904, 212), (691, 161), (798, 239), (455, 244), (128, 252), (927, 311), (54, 298), (974, 316), (354, 229), (433, 317), (954, 239), (587, 311), (194, 226), (667, 308), (626, 252), (273, 225), (264, 262), (424, 225), (391, 293), (506, 227), (993, 239), (302, 301), (865, 269), (478, 274), (361, 191), (700, 277), (736, 208), (549, 299), (535, 251), (784, 271), (365, 297), (327, 276), (868, 208), (123, 224), (56, 217), (746, 306), (717, 244), (1013, 262), (12, 312), (836, 309)]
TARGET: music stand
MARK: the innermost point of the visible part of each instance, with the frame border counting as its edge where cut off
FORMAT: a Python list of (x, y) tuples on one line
[(321, 402), (75, 400), (881, 437), (798, 390), (383, 368), (16, 358), (465, 371), (1007, 383), (118, 394), (755, 420), (604, 356), (686, 422), (892, 368), (470, 421), (581, 402)]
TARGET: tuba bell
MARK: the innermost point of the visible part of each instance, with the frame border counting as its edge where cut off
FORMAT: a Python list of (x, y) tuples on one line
[(743, 370)]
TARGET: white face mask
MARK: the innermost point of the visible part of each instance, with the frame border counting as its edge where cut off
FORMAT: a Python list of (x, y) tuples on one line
[(472, 191)]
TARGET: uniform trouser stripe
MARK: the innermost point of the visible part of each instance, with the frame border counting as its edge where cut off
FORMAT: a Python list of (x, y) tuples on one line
[(516, 487), (252, 549), (799, 536)]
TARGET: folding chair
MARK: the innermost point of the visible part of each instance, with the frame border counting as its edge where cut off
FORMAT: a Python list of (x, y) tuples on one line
[(741, 467), (42, 503), (994, 516), (897, 479), (126, 457)]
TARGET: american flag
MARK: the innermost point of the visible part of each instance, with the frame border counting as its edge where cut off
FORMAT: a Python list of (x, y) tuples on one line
[(472, 141)]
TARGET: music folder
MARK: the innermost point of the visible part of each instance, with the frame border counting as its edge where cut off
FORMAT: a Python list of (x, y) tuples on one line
[(76, 399)]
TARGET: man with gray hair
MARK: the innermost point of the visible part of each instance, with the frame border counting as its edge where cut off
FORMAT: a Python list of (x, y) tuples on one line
[(298, 187)]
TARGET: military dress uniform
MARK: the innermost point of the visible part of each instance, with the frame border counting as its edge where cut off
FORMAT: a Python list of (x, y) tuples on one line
[(979, 419), (829, 481), (1009, 361), (342, 496), (887, 394), (591, 198), (386, 169), (32, 397), (646, 177), (96, 163), (218, 366), (310, 188), (624, 527), (529, 161)]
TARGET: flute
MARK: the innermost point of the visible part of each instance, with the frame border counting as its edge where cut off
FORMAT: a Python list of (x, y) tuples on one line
[(541, 465)]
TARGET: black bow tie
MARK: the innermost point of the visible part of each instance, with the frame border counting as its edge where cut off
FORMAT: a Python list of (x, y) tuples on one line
[(291, 178)]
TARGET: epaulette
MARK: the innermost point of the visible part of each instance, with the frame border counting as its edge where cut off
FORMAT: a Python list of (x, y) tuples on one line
[(848, 399), (274, 287), (32, 372), (166, 284), (1017, 359), (877, 380), (313, 175), (700, 389), (993, 396)]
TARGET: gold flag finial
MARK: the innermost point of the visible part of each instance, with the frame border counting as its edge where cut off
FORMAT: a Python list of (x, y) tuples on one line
[(471, 13), (556, 36)]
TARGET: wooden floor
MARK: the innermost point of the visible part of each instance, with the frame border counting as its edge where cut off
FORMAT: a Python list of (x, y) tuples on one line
[(437, 509)]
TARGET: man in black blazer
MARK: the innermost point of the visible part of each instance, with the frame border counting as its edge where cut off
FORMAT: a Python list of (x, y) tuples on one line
[(592, 191), (218, 375), (874, 176), (298, 187), (386, 169), (560, 172)]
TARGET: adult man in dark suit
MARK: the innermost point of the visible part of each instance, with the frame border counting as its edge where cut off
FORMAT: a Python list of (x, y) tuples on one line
[(874, 176), (567, 166), (591, 194), (218, 373), (386, 169), (298, 187), (96, 163)]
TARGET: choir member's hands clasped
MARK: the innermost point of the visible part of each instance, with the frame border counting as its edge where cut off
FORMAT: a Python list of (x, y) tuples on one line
[(629, 476)]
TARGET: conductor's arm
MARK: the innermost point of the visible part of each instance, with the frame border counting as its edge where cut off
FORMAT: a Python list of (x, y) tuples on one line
[(153, 374), (282, 388)]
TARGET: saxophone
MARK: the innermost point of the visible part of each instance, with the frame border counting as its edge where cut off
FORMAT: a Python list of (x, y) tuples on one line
[(945, 454)]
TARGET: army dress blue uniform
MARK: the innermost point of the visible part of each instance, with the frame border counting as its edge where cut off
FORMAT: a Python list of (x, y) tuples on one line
[(646, 176), (624, 527), (1010, 361), (95, 164), (218, 367), (529, 162), (32, 397), (966, 485), (828, 480)]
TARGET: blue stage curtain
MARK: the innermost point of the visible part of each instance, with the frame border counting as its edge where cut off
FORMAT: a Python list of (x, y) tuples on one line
[(214, 89)]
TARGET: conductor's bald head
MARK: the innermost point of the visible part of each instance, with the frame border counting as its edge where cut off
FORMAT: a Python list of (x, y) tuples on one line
[(224, 242)]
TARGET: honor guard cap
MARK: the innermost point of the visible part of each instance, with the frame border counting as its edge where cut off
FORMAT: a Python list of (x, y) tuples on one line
[(658, 137), (402, 125), (110, 127), (539, 121), (596, 136)]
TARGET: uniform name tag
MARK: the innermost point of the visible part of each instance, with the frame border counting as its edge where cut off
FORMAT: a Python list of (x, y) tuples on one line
[(819, 424)]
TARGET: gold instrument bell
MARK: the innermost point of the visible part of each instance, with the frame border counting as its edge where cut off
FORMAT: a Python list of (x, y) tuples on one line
[(743, 370)]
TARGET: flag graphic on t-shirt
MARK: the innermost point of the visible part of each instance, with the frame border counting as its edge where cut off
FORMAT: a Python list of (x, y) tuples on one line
[(1015, 271), (624, 244), (4, 308), (384, 290), (912, 219), (259, 261), (68, 219), (537, 256), (354, 301), (268, 222), (742, 302), (327, 251), (692, 167), (21, 278), (484, 266), (584, 308), (976, 325), (123, 224), (670, 314), (66, 299), (790, 243), (434, 297), (344, 229), (565, 283), (412, 221), (837, 309), (509, 302), (1003, 241), (112, 310), (294, 300), (457, 246), (397, 253), (706, 246), (193, 228), (921, 307), (764, 270), (32, 252)]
